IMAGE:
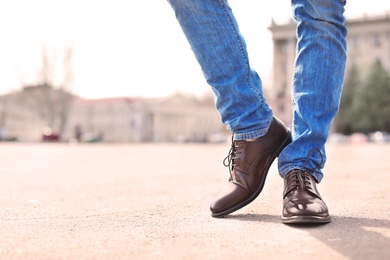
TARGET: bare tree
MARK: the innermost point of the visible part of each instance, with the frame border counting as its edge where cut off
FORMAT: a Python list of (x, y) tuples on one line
[(65, 89), (51, 99)]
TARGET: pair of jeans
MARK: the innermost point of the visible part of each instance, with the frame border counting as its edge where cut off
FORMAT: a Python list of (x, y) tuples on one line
[(220, 49)]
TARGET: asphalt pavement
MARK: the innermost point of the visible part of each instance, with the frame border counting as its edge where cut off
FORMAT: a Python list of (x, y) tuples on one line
[(151, 201)]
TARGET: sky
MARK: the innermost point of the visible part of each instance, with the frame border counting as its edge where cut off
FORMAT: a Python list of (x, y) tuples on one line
[(127, 48)]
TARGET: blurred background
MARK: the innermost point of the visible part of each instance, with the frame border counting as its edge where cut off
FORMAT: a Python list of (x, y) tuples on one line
[(121, 71)]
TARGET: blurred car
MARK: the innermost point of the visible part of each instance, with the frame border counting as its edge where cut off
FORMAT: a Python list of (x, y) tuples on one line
[(379, 137), (49, 136), (358, 138), (338, 138)]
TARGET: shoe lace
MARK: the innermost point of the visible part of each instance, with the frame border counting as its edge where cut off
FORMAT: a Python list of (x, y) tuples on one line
[(230, 160), (302, 179)]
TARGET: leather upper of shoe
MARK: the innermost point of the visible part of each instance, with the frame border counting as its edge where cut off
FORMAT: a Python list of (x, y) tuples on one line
[(248, 162), (301, 197)]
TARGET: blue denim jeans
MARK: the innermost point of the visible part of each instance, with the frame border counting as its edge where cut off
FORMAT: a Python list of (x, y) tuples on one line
[(215, 39)]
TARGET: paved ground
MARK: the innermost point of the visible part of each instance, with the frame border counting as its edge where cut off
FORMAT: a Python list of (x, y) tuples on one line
[(151, 201)]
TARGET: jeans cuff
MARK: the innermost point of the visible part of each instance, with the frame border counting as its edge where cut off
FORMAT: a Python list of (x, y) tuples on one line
[(318, 175), (244, 136), (253, 134)]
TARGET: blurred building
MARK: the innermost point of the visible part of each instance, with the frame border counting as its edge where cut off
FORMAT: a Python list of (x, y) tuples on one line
[(177, 118), (368, 42), (36, 114)]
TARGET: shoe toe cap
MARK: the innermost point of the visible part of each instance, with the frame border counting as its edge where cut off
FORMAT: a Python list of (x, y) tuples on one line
[(230, 196), (305, 208)]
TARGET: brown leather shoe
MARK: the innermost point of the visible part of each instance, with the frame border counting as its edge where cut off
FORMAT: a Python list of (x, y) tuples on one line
[(249, 163), (302, 203)]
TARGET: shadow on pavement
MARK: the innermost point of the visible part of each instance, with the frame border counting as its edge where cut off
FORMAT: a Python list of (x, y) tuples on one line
[(354, 238)]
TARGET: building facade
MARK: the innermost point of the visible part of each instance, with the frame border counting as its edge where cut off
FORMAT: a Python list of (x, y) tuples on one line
[(177, 118), (368, 41)]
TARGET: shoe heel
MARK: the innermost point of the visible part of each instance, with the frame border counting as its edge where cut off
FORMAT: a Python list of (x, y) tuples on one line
[(285, 142)]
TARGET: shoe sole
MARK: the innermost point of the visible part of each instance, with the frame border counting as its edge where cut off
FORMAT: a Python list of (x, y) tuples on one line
[(256, 194), (306, 220)]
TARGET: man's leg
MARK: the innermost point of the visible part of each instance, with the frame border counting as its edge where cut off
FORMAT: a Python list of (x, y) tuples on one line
[(215, 39), (220, 49), (317, 85)]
